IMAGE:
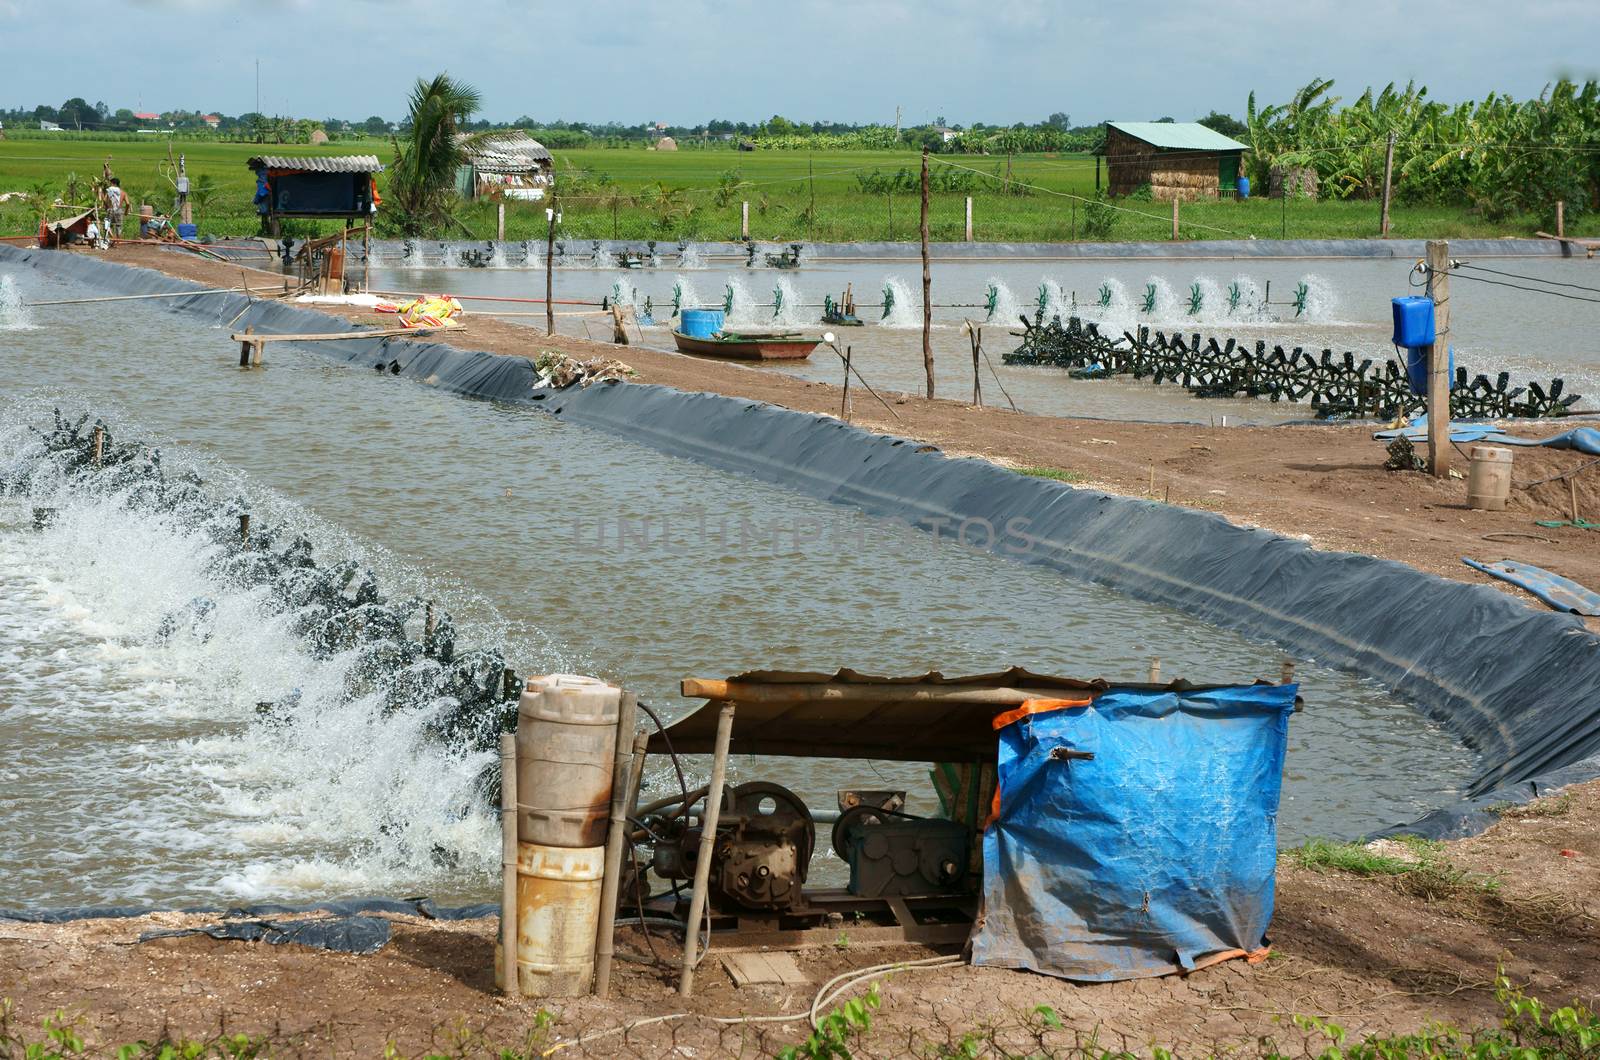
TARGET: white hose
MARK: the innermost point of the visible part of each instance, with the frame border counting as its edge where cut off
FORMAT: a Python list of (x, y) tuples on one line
[(839, 984)]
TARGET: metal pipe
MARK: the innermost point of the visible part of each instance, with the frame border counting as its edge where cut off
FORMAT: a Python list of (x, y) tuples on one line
[(708, 839)]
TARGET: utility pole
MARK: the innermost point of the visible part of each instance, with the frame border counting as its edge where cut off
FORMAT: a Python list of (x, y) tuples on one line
[(1388, 178), (1439, 360), (927, 284), (258, 88)]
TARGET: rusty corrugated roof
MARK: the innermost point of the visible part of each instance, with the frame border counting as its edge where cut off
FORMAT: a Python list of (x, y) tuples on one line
[(319, 163)]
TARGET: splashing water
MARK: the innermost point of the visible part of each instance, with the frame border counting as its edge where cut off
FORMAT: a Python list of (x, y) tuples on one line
[(685, 294), (287, 765), (530, 255), (600, 258), (14, 315), (689, 257), (1321, 301), (1006, 308), (907, 309), (744, 311), (497, 259), (790, 311)]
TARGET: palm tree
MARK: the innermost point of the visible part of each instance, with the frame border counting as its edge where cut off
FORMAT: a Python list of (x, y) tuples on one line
[(422, 181)]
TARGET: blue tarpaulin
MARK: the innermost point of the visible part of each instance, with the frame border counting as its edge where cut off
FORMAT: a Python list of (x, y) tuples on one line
[(1155, 856)]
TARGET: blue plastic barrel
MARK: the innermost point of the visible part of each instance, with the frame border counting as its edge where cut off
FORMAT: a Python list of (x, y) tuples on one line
[(1242, 186), (189, 232), (1417, 358), (1413, 321), (700, 323)]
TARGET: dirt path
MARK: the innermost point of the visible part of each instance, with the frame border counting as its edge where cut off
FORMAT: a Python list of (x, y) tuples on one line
[(1367, 953), (1325, 484)]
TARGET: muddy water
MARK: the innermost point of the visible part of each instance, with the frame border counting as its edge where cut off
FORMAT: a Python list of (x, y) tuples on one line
[(141, 770), (1347, 308)]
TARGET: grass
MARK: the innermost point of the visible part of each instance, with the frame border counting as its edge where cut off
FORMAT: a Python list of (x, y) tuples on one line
[(1054, 473), (1558, 806), (618, 193), (1424, 872)]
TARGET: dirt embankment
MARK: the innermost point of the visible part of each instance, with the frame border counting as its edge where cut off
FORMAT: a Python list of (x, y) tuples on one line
[(1325, 484), (1373, 954)]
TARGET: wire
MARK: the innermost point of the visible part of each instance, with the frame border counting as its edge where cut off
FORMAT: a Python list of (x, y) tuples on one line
[(683, 783), (1533, 290), (1519, 276)]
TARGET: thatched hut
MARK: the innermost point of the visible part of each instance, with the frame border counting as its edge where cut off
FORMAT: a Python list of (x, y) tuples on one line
[(1178, 160)]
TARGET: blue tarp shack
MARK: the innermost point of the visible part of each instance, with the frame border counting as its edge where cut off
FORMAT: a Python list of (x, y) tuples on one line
[(1126, 830)]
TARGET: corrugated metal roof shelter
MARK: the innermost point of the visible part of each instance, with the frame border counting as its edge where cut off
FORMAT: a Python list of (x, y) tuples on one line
[(319, 186), (319, 163), (1178, 160), (511, 165)]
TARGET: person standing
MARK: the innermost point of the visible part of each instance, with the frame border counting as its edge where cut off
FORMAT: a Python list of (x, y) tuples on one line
[(116, 208)]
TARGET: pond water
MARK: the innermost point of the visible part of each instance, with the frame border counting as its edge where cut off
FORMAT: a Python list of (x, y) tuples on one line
[(1346, 307), (141, 770)]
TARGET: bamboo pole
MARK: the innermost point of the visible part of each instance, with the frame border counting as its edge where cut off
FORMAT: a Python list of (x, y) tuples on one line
[(785, 693), (1174, 215), (1439, 360), (1155, 670), (244, 345), (969, 218), (708, 839), (550, 265), (508, 865), (1388, 183), (99, 444), (1286, 672), (621, 786), (927, 284), (1561, 218), (844, 397)]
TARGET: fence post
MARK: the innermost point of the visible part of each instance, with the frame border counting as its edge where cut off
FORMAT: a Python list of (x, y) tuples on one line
[(969, 218), (1561, 218), (500, 222), (744, 220), (1174, 215)]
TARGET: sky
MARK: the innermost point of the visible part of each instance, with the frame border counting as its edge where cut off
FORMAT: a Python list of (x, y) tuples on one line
[(688, 61)]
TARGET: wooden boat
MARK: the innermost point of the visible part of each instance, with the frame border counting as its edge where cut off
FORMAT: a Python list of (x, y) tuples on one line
[(750, 346)]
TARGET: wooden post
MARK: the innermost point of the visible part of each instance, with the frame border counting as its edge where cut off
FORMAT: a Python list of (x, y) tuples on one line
[(1155, 670), (1439, 360), (1097, 173), (99, 444), (244, 347), (969, 218), (1174, 215), (500, 222), (244, 530), (508, 865), (366, 256), (708, 839), (744, 220), (1561, 218), (550, 267), (975, 334), (1286, 672), (927, 284), (1388, 179), (621, 786)]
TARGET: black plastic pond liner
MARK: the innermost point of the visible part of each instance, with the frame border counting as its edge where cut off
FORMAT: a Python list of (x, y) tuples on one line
[(1520, 685), (347, 927)]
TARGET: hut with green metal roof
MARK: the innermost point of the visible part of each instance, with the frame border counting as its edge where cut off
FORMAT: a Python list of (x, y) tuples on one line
[(1178, 160)]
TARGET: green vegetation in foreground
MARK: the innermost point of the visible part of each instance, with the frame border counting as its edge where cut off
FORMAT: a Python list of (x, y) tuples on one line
[(1055, 473), (695, 194), (1556, 806), (1527, 1030)]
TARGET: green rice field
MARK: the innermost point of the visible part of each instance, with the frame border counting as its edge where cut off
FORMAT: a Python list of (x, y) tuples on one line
[(827, 196)]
